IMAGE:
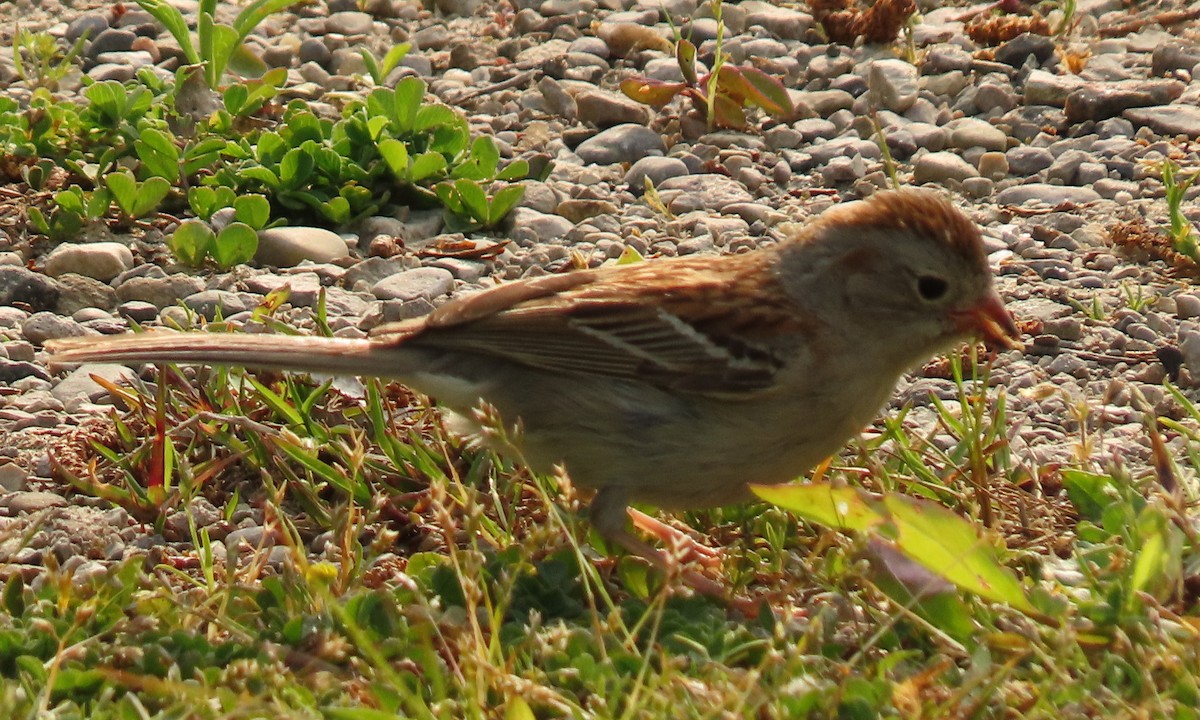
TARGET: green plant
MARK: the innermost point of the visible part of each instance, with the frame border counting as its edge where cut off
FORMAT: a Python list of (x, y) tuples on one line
[(472, 208), (39, 59), (380, 68), (216, 46), (194, 241), (73, 209), (1183, 234), (722, 95)]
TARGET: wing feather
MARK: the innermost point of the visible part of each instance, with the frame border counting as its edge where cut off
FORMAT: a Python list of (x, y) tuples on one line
[(626, 323)]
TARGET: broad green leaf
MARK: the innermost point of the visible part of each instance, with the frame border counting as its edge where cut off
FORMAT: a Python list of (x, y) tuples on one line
[(235, 98), (843, 508), (395, 154), (158, 153), (124, 189), (203, 201), (244, 62), (175, 24), (70, 200), (254, 210), (393, 58), (409, 94), (948, 545), (427, 165), (191, 242), (1090, 493), (234, 245), (432, 116), (149, 194), (295, 168), (474, 200), (685, 55), (505, 199), (336, 210), (515, 170)]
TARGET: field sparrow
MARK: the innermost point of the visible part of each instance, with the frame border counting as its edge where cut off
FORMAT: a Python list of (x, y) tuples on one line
[(674, 382)]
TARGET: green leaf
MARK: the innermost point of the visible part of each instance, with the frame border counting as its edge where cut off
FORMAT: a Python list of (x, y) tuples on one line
[(1090, 493), (434, 116), (928, 533), (474, 200), (14, 596), (235, 244), (393, 58), (505, 199), (124, 189), (149, 194), (38, 220), (515, 170), (235, 98), (202, 155), (336, 210), (427, 165), (203, 201), (253, 210), (948, 545), (685, 55), (395, 155), (191, 242), (158, 153), (409, 94), (843, 508), (70, 200), (175, 24), (295, 168)]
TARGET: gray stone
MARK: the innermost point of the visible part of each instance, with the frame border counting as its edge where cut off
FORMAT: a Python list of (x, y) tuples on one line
[(938, 167), (19, 285), (893, 84), (538, 226), (972, 132), (706, 191), (623, 143), (1024, 160), (658, 169), (30, 502), (209, 304), (79, 292), (350, 23), (425, 282), (1047, 194), (607, 109), (43, 326), (78, 387), (1167, 119), (159, 291), (292, 245)]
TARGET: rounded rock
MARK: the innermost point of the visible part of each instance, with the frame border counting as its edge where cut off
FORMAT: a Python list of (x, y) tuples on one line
[(101, 261)]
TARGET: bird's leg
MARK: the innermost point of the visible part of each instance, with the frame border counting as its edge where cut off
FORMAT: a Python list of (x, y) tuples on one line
[(682, 546), (609, 511)]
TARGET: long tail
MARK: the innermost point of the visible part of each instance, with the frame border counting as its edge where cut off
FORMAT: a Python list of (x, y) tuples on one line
[(335, 356)]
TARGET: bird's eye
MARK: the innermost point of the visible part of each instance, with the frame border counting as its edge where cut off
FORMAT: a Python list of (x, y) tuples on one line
[(932, 287)]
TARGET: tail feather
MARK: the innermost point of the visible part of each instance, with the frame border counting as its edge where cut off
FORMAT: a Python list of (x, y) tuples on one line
[(335, 356)]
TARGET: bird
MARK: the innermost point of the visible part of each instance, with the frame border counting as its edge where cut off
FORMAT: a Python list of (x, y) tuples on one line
[(677, 382)]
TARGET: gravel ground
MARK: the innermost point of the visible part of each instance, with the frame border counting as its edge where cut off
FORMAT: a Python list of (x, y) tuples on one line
[(1047, 160)]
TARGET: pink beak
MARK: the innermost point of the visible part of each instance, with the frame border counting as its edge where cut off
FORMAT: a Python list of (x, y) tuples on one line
[(992, 321)]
